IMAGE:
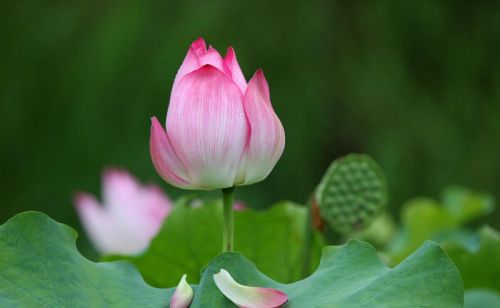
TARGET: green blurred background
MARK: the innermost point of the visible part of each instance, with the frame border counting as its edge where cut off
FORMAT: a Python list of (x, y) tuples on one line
[(414, 84)]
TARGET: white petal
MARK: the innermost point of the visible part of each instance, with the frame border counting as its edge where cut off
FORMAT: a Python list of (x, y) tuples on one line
[(183, 295)]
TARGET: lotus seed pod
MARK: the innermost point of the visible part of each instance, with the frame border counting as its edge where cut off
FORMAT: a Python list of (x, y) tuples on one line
[(352, 192)]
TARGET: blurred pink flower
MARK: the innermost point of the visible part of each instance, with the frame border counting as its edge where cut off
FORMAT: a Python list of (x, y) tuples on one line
[(130, 216), (220, 131)]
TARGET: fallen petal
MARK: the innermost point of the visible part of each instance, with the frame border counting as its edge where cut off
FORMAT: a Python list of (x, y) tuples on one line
[(183, 295), (245, 296)]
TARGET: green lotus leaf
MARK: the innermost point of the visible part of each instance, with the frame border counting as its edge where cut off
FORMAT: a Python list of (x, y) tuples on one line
[(191, 236), (482, 298), (466, 204), (425, 218), (350, 275), (479, 266), (41, 267)]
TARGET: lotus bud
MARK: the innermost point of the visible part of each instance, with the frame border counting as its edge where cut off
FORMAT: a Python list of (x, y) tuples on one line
[(220, 131)]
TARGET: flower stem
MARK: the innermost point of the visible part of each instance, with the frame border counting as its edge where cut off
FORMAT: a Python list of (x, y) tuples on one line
[(228, 227), (306, 249)]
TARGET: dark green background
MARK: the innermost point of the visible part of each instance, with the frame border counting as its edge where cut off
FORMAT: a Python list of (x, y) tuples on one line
[(415, 84)]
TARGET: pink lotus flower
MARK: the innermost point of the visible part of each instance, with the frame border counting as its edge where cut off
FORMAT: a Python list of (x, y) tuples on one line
[(130, 217), (220, 131)]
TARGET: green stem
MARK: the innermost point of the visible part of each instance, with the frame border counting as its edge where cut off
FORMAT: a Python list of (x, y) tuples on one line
[(228, 227), (306, 252)]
